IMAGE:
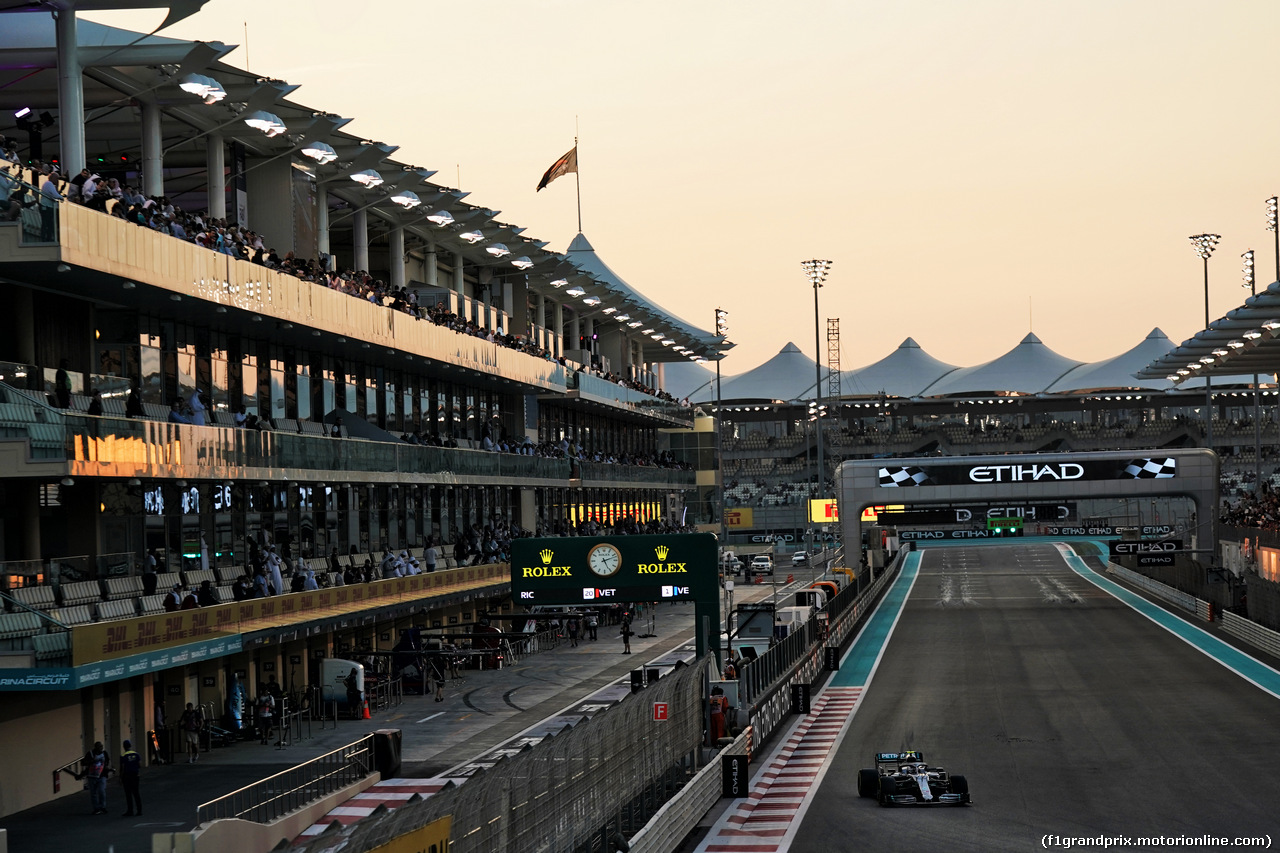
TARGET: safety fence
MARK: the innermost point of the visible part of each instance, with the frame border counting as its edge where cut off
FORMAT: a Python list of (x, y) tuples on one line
[(574, 791), (275, 796), (1176, 597), (1252, 633)]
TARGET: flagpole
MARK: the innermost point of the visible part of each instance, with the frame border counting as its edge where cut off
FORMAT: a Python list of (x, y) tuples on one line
[(577, 181)]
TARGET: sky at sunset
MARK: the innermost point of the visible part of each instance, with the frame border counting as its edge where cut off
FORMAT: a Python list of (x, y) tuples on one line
[(974, 168)]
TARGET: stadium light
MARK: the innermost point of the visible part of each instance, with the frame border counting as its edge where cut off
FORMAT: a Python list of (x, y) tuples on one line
[(368, 178), (268, 123), (1203, 245), (816, 271), (1250, 280), (1273, 212), (319, 151)]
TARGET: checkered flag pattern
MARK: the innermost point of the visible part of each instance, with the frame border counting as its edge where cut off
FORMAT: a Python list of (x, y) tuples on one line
[(903, 475), (1151, 469)]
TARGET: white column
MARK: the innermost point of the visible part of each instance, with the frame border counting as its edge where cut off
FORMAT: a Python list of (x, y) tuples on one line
[(575, 330), (215, 165), (360, 239), (540, 320), (70, 95), (432, 275), (152, 150), (396, 256), (557, 331), (322, 223)]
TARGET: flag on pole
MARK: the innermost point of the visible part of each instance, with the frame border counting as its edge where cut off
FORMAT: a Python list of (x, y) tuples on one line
[(566, 164)]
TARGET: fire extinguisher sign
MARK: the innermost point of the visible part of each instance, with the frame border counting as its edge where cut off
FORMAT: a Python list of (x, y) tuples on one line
[(660, 710)]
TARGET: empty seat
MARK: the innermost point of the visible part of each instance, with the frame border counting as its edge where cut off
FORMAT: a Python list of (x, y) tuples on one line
[(52, 646), (126, 587), (152, 603), (311, 428), (228, 574), (80, 592), (196, 577), (39, 597), (166, 580), (17, 625), (77, 615), (121, 609)]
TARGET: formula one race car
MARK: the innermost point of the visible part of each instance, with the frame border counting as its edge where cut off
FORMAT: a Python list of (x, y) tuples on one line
[(903, 779)]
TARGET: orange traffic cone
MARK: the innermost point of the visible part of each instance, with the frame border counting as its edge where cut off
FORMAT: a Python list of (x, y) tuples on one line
[(791, 578), (366, 710)]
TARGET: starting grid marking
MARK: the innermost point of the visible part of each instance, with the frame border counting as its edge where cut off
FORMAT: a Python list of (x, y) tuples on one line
[(758, 823), (391, 793)]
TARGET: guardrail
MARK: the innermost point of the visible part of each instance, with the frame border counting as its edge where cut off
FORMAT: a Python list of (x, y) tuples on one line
[(275, 796), (1176, 597), (1251, 632)]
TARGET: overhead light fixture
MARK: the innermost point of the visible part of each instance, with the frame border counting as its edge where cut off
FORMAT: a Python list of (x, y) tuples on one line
[(575, 291), (270, 124), (498, 250), (1221, 352), (320, 152), (221, 309), (128, 285), (369, 178), (657, 336), (522, 263), (66, 481), (63, 268), (592, 301), (666, 342), (440, 218), (175, 297), (472, 237), (1271, 325), (647, 331), (1235, 344), (559, 282), (407, 199), (205, 88), (622, 318), (609, 310), (134, 481), (1252, 334), (25, 111), (635, 324)]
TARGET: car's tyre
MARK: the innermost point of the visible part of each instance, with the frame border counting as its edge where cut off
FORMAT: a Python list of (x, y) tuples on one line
[(888, 788), (868, 783), (959, 785)]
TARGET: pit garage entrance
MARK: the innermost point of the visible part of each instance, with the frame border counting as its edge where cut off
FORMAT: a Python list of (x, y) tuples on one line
[(1048, 484)]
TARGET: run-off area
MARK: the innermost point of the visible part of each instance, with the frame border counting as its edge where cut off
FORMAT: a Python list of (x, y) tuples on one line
[(1069, 712)]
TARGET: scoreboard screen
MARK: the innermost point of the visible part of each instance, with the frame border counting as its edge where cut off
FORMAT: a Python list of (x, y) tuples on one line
[(596, 570)]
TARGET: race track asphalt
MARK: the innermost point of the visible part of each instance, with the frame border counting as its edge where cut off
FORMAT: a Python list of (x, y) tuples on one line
[(1069, 713)]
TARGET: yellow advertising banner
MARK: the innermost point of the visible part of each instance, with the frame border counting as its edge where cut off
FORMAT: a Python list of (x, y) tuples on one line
[(824, 511), (120, 638), (432, 838), (741, 517)]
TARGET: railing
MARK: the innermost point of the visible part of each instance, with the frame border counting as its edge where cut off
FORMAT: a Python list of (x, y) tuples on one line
[(645, 474), (275, 796), (385, 693)]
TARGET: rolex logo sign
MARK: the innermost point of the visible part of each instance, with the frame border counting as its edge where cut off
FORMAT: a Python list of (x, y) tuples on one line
[(661, 567), (546, 570)]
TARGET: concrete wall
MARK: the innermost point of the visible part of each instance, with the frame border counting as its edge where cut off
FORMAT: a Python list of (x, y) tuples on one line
[(33, 741)]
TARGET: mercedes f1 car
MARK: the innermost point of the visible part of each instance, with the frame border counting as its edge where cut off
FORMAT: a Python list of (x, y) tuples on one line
[(903, 779)]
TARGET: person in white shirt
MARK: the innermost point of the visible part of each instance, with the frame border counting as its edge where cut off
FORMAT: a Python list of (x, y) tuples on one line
[(197, 408)]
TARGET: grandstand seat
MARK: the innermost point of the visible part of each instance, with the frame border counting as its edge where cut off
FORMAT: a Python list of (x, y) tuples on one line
[(152, 603), (18, 625), (82, 592), (228, 575), (166, 580), (50, 647), (195, 577), (37, 597), (120, 609), (126, 587), (78, 614)]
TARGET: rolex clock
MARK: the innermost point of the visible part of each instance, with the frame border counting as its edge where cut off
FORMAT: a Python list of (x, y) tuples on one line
[(604, 560)]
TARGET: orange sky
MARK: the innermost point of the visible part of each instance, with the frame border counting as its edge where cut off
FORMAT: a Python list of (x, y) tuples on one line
[(971, 166)]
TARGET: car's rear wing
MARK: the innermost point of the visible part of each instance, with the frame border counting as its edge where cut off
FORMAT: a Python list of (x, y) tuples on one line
[(911, 755)]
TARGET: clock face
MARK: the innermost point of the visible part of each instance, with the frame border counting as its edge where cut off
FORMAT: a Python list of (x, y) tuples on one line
[(605, 560)]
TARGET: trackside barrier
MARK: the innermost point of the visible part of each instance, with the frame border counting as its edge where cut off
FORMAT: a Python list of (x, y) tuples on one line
[(1251, 632), (680, 815), (766, 683), (1176, 597)]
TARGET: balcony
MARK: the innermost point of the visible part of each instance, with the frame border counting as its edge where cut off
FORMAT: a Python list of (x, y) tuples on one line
[(592, 389), (95, 252)]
